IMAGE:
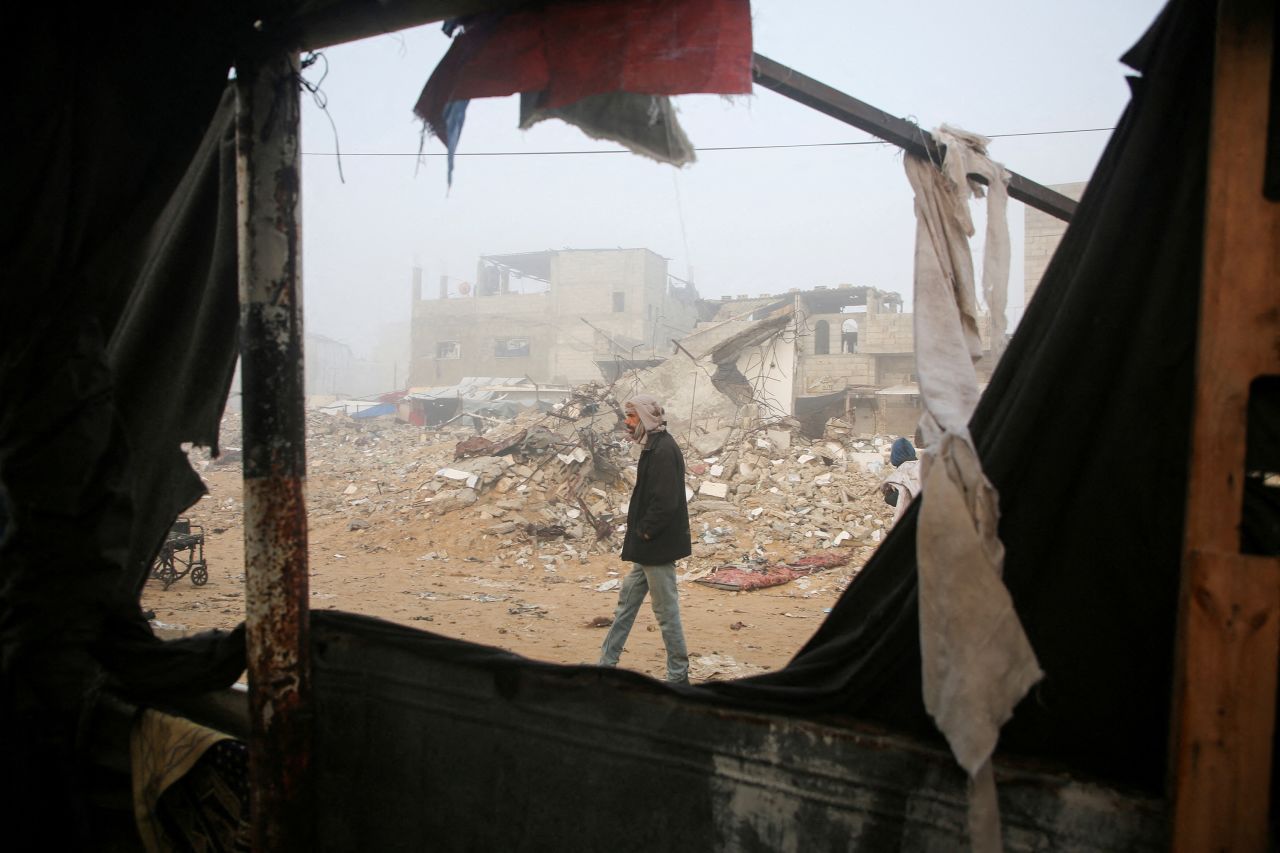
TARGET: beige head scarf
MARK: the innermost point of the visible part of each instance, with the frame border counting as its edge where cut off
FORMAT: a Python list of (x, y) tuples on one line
[(651, 416)]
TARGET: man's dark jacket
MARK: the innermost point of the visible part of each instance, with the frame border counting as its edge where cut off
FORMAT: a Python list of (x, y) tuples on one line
[(658, 518)]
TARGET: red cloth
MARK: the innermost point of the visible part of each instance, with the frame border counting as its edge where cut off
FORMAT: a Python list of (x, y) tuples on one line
[(572, 50), (744, 579)]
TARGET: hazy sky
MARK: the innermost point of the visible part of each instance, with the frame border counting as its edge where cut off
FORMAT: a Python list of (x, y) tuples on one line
[(743, 222)]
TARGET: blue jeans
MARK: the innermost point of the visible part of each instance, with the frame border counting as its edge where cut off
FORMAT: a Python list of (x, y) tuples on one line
[(661, 581)]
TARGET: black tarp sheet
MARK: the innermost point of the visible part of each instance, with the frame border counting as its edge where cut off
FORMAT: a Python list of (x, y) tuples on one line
[(430, 742), (118, 318)]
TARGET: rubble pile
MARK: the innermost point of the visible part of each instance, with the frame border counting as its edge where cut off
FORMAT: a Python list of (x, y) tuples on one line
[(771, 489), (550, 487)]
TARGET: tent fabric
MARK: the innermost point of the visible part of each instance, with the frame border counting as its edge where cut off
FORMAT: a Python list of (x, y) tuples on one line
[(589, 63), (375, 411), (976, 661), (118, 319), (571, 51), (513, 754)]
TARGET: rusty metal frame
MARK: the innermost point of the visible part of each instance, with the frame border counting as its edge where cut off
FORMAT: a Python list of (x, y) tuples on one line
[(268, 178), (907, 135)]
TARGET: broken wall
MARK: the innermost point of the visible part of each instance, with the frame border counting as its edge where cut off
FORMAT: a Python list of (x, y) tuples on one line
[(898, 414), (771, 369), (476, 324), (1041, 235), (698, 386), (834, 335), (886, 333), (822, 374), (624, 293)]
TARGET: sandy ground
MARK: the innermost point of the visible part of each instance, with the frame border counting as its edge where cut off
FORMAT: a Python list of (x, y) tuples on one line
[(446, 575)]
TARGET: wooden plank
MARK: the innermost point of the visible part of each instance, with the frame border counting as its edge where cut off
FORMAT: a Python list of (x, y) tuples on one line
[(1227, 699), (1229, 621)]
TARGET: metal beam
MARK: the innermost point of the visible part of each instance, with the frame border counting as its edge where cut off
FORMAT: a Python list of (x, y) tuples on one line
[(268, 177), (339, 23), (907, 135)]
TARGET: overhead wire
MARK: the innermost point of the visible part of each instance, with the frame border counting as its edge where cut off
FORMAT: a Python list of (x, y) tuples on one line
[(574, 152)]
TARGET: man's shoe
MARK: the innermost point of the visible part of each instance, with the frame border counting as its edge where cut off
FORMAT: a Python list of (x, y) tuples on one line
[(681, 682)]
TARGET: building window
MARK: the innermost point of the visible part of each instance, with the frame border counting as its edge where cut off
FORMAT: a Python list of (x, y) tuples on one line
[(822, 338), (849, 335), (619, 302), (448, 349), (511, 347)]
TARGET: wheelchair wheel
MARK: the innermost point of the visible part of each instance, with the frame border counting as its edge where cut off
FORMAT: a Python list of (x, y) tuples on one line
[(167, 574), (199, 573)]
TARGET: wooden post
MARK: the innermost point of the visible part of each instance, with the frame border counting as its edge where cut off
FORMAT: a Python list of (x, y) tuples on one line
[(1229, 619)]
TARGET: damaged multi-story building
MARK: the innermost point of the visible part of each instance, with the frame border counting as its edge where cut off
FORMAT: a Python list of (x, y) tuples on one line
[(554, 316), (846, 351), (571, 316)]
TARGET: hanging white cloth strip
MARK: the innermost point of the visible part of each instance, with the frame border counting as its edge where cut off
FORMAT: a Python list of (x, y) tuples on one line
[(976, 660)]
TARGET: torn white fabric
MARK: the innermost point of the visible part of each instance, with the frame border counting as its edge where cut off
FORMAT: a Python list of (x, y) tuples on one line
[(966, 156), (905, 479), (976, 661)]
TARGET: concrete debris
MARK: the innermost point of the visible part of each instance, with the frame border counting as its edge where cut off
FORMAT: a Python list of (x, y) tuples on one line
[(710, 443), (545, 481), (715, 490)]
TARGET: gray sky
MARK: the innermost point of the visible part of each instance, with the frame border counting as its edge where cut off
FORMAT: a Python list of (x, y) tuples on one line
[(744, 222)]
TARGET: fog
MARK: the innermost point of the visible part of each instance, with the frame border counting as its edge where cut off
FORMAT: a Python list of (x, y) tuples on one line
[(735, 222)]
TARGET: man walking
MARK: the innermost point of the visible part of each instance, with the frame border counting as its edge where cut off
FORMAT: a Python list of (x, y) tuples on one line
[(657, 536)]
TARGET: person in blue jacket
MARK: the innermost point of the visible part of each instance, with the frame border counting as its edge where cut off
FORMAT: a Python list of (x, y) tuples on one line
[(657, 536)]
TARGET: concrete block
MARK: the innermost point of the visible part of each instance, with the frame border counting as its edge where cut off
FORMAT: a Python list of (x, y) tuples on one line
[(714, 490)]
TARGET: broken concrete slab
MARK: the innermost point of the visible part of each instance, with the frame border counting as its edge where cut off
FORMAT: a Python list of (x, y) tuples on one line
[(710, 443), (452, 499), (779, 438), (714, 490)]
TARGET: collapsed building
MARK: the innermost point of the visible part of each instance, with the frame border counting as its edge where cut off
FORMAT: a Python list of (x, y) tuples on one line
[(846, 352), (556, 317), (849, 353)]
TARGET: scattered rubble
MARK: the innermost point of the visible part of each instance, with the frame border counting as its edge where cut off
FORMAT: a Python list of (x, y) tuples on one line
[(552, 487)]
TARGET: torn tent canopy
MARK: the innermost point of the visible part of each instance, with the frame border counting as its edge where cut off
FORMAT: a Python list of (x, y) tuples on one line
[(587, 63)]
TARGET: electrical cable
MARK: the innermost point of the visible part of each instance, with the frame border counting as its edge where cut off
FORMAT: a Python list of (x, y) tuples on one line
[(572, 152)]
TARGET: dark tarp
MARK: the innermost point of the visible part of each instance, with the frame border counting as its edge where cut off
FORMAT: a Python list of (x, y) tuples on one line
[(118, 319), (428, 742)]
